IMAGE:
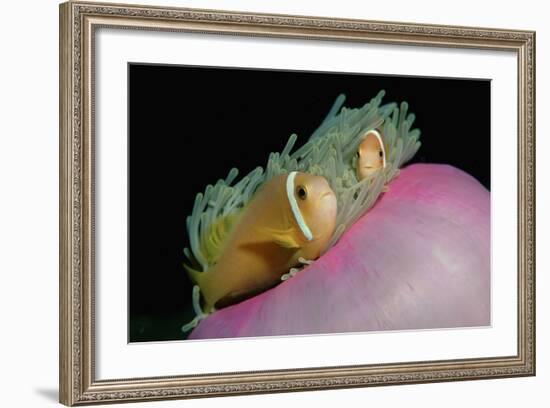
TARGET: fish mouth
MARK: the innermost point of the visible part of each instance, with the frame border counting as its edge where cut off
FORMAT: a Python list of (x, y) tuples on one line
[(371, 167)]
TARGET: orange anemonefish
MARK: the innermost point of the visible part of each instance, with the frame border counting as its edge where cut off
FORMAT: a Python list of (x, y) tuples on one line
[(371, 154), (291, 216)]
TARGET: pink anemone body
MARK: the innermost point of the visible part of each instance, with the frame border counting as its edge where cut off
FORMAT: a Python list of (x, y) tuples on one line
[(419, 259)]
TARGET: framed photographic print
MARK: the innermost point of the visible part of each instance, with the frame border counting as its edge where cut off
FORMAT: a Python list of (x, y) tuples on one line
[(260, 203)]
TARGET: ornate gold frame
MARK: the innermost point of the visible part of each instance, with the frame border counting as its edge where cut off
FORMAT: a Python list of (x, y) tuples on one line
[(78, 21)]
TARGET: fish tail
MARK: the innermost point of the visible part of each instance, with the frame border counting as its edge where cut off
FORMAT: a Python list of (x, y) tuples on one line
[(195, 276), (203, 281)]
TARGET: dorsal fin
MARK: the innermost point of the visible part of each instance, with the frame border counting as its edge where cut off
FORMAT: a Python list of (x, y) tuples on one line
[(213, 241)]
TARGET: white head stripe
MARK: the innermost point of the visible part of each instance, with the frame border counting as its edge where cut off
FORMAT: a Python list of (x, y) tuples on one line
[(375, 132), (294, 206)]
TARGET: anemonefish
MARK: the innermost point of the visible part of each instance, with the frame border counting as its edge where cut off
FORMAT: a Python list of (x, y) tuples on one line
[(290, 218), (371, 154)]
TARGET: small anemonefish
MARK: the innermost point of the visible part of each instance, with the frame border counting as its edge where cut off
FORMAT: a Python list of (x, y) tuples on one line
[(371, 154), (291, 216)]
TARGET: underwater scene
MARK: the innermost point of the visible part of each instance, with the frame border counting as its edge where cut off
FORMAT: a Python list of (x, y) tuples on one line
[(276, 203)]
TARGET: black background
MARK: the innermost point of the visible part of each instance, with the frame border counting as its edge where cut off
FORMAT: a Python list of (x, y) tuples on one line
[(188, 126)]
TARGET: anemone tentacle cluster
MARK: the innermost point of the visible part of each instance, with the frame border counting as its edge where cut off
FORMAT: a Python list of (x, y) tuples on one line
[(329, 152)]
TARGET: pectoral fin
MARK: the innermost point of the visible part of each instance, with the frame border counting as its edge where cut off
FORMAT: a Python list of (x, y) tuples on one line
[(284, 238), (286, 241)]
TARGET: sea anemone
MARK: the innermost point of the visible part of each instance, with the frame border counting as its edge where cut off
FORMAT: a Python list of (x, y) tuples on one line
[(329, 152), (419, 259)]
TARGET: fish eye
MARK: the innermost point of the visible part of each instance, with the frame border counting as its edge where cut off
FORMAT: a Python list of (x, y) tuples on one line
[(301, 192), (381, 153), (357, 154)]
